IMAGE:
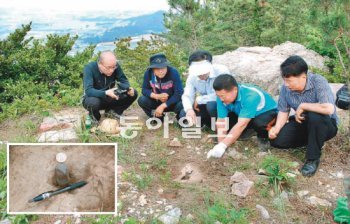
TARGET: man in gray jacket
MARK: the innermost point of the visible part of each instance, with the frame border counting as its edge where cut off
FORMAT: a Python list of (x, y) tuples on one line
[(199, 98)]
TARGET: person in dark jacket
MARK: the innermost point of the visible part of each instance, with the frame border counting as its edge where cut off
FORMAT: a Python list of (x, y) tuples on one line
[(161, 89), (101, 79)]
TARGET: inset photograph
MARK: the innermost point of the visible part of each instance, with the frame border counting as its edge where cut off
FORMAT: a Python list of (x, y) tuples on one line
[(61, 178)]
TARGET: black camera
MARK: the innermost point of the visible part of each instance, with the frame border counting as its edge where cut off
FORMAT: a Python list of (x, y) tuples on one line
[(121, 93)]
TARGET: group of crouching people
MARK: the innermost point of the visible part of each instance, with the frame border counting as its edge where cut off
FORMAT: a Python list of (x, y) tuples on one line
[(212, 96)]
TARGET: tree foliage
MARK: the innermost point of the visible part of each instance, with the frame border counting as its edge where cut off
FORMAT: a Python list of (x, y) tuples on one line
[(135, 61), (224, 25), (36, 75)]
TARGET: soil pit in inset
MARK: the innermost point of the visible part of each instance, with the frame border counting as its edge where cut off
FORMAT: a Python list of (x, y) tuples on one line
[(32, 169)]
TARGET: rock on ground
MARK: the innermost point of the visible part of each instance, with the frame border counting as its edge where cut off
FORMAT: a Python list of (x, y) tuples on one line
[(264, 213), (60, 127), (171, 217), (240, 184), (261, 65), (319, 201), (175, 143)]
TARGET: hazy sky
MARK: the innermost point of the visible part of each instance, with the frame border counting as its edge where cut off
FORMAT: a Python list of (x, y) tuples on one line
[(86, 5)]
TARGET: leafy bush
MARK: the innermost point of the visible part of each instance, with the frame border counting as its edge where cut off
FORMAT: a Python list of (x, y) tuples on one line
[(37, 75)]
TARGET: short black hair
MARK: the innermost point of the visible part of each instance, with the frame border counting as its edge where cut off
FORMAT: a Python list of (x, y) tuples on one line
[(224, 81), (200, 55), (293, 66)]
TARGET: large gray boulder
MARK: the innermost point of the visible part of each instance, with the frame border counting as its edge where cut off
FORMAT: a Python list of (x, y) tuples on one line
[(261, 65)]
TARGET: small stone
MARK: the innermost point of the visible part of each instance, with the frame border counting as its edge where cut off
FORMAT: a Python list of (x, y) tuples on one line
[(142, 200), (188, 147), (242, 189), (57, 222), (284, 195), (5, 221), (175, 143), (168, 207), (238, 177), (264, 213), (262, 172), (143, 154), (171, 153), (340, 175), (262, 154), (171, 217), (109, 126), (334, 195), (124, 186), (291, 175), (159, 202), (189, 217), (160, 190), (320, 183), (234, 154), (319, 202), (302, 193)]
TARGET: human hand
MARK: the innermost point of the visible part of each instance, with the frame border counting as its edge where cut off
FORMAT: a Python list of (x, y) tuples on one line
[(299, 114), (218, 151), (195, 106), (273, 132), (131, 91), (159, 111), (191, 116), (111, 94), (163, 97)]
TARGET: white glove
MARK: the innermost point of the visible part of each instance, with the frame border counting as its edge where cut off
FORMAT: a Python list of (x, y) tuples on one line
[(217, 151)]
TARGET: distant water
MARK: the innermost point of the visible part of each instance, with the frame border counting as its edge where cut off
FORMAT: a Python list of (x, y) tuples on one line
[(104, 46)]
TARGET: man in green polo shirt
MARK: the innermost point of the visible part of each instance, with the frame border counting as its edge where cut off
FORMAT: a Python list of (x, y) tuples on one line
[(245, 106)]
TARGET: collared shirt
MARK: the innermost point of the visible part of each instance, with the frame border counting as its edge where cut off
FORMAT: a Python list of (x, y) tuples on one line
[(250, 102), (202, 88), (317, 90)]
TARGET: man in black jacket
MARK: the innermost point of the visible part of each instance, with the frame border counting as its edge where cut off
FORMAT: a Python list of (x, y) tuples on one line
[(101, 79)]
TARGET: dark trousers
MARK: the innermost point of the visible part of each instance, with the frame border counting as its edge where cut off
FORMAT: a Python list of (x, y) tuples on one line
[(206, 112), (95, 104), (312, 132), (260, 123), (148, 104)]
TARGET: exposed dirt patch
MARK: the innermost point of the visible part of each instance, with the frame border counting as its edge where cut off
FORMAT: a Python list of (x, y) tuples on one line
[(32, 173), (151, 150)]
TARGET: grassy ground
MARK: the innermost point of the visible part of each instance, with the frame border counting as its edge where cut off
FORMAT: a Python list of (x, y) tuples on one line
[(150, 168)]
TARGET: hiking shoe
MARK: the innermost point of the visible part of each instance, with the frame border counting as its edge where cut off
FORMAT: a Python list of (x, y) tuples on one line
[(112, 114), (263, 144), (310, 167), (94, 121)]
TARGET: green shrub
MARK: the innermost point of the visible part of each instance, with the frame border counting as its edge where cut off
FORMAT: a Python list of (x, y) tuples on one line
[(37, 75)]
